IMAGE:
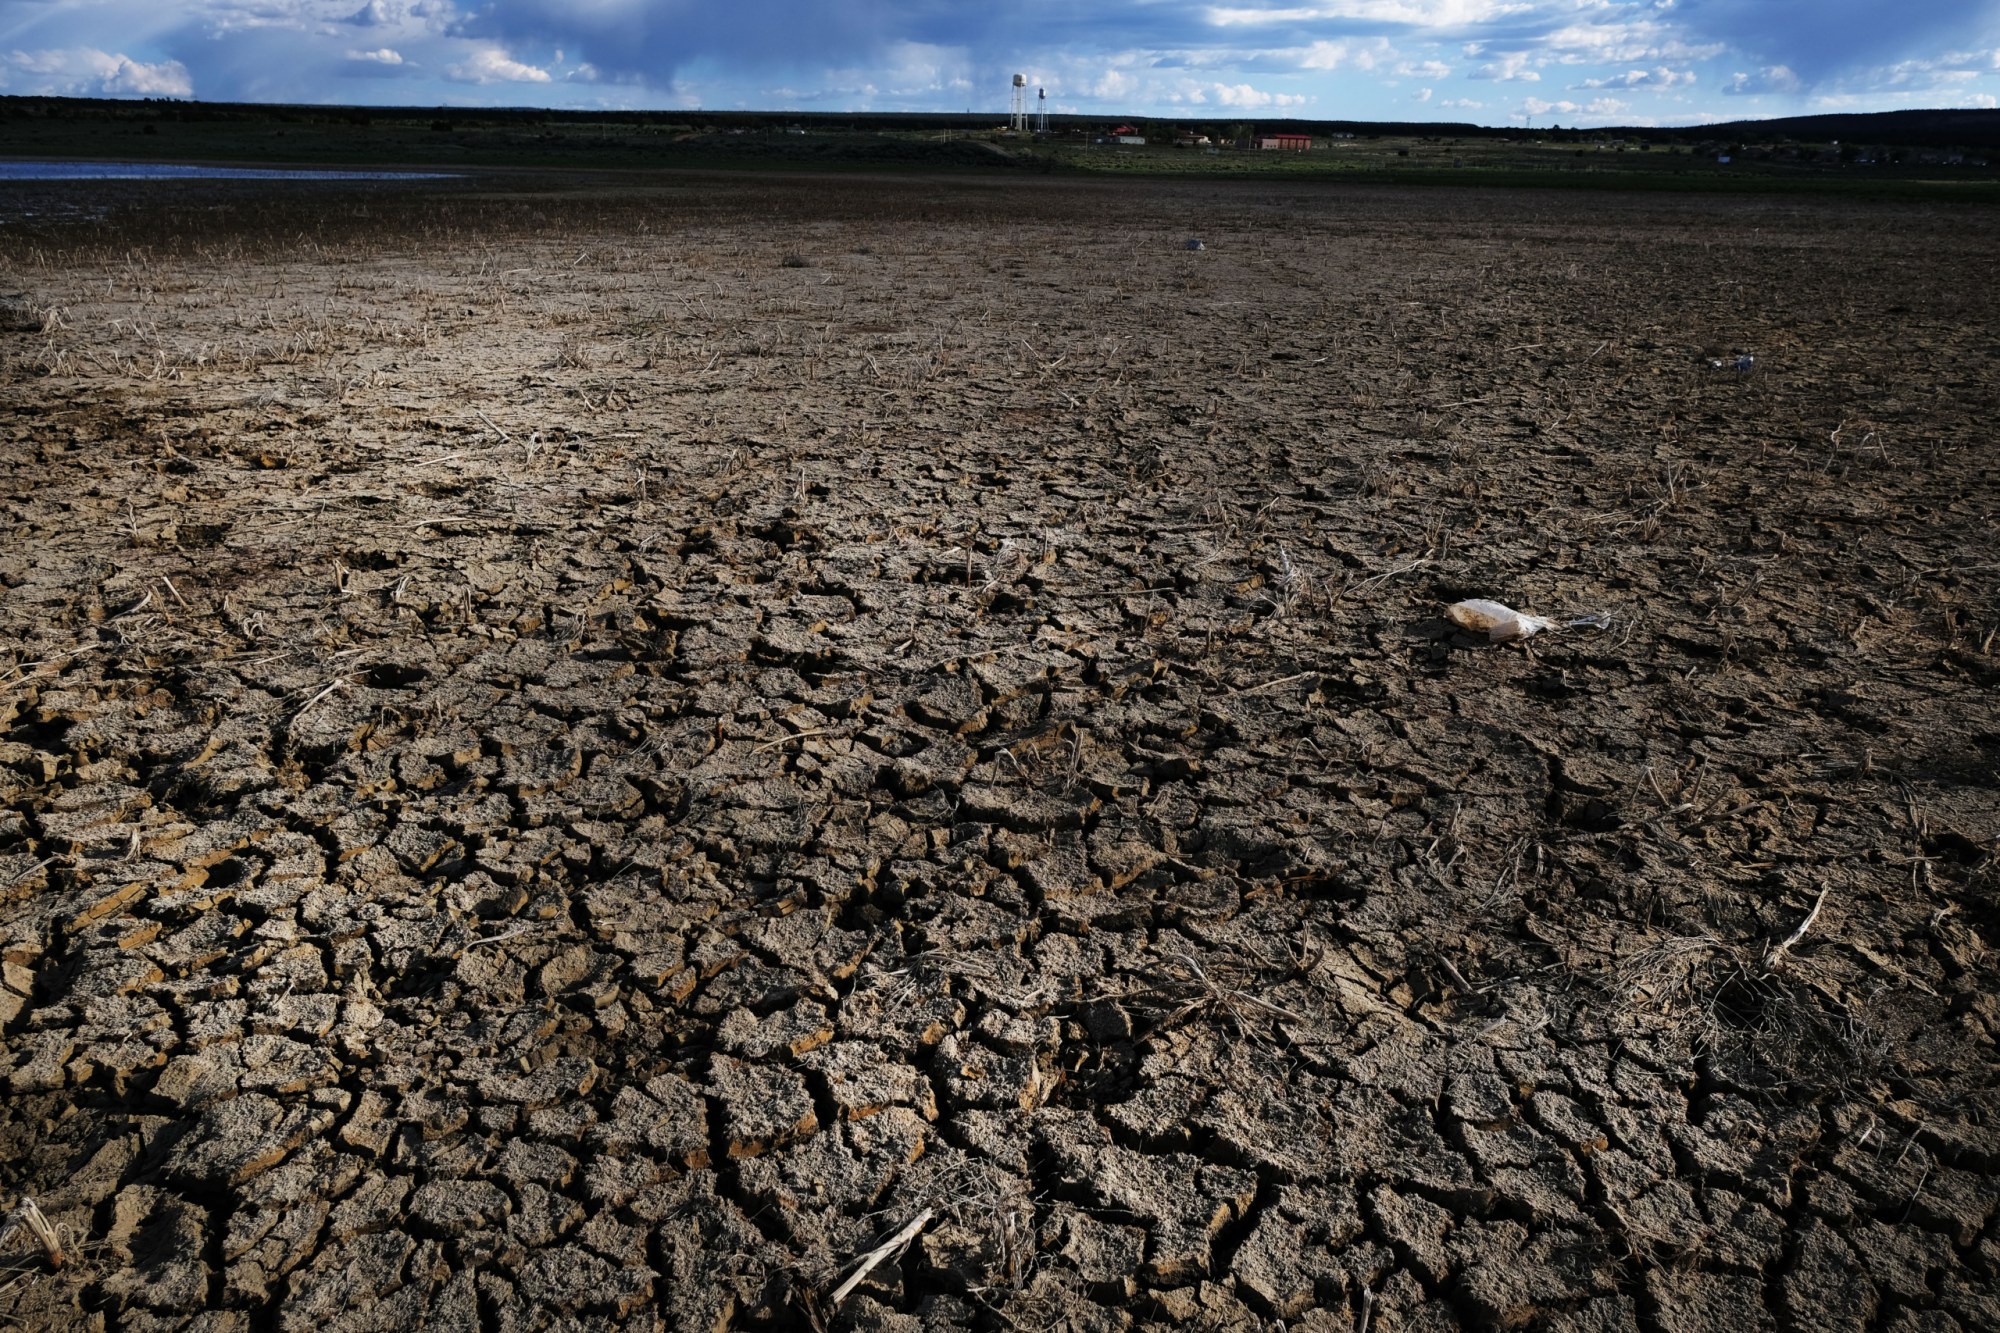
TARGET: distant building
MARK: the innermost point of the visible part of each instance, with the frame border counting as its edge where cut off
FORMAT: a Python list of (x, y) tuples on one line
[(1285, 143)]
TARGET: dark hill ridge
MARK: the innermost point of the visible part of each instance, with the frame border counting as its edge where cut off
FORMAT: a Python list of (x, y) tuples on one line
[(1912, 129), (1921, 128)]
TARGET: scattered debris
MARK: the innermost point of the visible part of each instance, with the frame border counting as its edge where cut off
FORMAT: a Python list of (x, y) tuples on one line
[(1194, 243)]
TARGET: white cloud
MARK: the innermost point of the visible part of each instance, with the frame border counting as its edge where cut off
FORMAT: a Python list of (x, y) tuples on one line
[(380, 56), (168, 78), (1113, 85), (490, 64), (1982, 101), (1127, 83), (1627, 44), (87, 71), (430, 15), (1599, 108), (1242, 18), (1943, 73), (1770, 79), (1509, 68), (1428, 69), (1661, 78), (1334, 55), (1410, 13), (1421, 95), (1243, 95), (1462, 104)]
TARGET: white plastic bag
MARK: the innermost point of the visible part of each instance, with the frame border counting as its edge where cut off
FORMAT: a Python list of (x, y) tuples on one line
[(1501, 624), (1497, 622)]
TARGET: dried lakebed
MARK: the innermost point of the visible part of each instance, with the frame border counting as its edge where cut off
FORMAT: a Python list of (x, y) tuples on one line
[(578, 760)]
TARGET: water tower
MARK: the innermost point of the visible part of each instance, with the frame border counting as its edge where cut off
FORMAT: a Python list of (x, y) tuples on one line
[(1042, 111), (1019, 119)]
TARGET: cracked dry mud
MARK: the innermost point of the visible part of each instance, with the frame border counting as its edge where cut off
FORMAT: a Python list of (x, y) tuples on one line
[(575, 760)]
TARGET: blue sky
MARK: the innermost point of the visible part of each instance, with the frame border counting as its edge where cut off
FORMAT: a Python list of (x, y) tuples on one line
[(1493, 62)]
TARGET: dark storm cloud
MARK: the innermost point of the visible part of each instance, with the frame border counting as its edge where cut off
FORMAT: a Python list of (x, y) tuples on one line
[(256, 64), (1821, 39), (651, 39)]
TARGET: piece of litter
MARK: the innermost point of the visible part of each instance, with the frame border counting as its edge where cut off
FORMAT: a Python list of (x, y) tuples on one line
[(1501, 623), (1496, 621), (1194, 243)]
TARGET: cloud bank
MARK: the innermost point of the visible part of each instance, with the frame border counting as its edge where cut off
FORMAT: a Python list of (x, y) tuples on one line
[(1650, 60)]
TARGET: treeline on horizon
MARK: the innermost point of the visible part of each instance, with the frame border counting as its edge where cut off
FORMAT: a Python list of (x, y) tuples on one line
[(1915, 129)]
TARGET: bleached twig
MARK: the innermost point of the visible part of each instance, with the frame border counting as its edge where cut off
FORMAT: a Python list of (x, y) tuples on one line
[(31, 871), (1121, 592), (28, 1214), (496, 430), (1227, 995), (795, 736), (338, 681), (1270, 684), (878, 1254), (1410, 568), (1777, 956), (514, 934)]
